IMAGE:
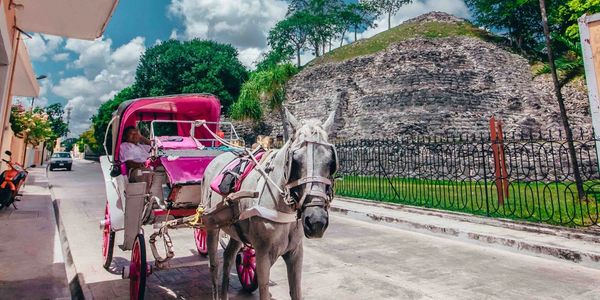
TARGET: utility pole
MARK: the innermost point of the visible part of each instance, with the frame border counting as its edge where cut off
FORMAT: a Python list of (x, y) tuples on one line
[(68, 119), (561, 104)]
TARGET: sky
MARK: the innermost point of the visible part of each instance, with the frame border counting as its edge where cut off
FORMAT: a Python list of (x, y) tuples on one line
[(84, 74)]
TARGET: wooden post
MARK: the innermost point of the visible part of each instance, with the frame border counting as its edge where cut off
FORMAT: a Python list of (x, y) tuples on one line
[(502, 158), (500, 172)]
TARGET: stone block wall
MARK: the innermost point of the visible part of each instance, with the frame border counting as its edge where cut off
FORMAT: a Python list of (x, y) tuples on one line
[(429, 87)]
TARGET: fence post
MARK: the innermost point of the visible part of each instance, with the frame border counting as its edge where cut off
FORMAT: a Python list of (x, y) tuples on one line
[(379, 172), (502, 158), (498, 151), (484, 162)]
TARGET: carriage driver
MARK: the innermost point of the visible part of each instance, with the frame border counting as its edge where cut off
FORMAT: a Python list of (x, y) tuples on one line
[(135, 150)]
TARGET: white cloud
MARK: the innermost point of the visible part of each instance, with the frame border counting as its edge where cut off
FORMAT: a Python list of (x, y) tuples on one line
[(93, 56), (106, 72), (249, 56), (60, 56), (174, 34), (127, 56), (242, 23), (42, 46)]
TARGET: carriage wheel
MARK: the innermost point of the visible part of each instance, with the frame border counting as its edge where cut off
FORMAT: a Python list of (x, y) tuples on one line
[(108, 239), (138, 269), (200, 237), (245, 262)]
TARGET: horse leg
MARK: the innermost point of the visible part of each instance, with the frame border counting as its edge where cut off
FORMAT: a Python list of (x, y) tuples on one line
[(293, 262), (229, 254), (264, 261), (212, 242)]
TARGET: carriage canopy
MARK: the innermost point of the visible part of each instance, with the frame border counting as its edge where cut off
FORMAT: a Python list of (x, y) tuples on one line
[(186, 107)]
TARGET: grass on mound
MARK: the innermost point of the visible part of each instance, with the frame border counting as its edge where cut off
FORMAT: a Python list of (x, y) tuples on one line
[(404, 32)]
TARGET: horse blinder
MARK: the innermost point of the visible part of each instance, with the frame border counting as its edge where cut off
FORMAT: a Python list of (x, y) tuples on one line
[(320, 198)]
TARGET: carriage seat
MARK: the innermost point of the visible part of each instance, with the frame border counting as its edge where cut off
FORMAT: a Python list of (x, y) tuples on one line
[(231, 177), (177, 143)]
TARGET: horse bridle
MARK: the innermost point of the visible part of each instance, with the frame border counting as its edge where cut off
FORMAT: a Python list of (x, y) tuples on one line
[(320, 198)]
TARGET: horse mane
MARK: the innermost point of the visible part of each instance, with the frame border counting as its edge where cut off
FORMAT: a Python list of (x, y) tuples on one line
[(311, 128)]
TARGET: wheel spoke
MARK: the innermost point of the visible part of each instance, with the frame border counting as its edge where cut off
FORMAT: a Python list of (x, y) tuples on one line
[(138, 269)]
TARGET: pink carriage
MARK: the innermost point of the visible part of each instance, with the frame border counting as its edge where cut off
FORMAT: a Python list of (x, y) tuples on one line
[(186, 134)]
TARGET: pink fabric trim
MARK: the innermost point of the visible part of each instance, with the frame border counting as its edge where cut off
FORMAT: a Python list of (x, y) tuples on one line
[(186, 169)]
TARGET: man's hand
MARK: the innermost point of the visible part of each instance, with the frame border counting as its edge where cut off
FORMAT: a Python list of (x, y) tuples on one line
[(145, 140)]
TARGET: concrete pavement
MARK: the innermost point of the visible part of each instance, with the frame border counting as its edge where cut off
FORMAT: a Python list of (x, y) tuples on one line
[(581, 246), (31, 259), (355, 260)]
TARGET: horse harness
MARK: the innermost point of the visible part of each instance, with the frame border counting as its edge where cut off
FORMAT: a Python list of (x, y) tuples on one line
[(321, 198)]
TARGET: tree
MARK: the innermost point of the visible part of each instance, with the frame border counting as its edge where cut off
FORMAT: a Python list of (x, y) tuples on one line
[(87, 138), (273, 58), (32, 126), (566, 14), (297, 5), (264, 89), (68, 143), (565, 38), (389, 7), (561, 104), (196, 66), (290, 34), (55, 114), (324, 23), (517, 19), (356, 16), (101, 119), (319, 20), (569, 64)]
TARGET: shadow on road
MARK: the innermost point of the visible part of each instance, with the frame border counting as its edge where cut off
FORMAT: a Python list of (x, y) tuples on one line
[(183, 282)]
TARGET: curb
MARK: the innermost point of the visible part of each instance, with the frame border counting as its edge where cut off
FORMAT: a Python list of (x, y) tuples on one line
[(75, 281), (519, 245)]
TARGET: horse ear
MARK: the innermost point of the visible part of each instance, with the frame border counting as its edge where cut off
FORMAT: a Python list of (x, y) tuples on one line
[(292, 121), (328, 125)]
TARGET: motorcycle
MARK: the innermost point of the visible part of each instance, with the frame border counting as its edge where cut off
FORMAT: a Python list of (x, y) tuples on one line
[(11, 180)]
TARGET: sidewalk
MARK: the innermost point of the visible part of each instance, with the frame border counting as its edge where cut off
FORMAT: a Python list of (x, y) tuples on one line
[(574, 245), (30, 249)]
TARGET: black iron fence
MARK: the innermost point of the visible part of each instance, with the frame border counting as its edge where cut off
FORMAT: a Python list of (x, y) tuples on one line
[(522, 176)]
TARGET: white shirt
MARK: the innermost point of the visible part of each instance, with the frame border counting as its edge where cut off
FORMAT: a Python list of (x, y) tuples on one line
[(138, 153)]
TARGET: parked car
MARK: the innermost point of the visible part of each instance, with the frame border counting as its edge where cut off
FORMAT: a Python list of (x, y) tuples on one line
[(61, 160)]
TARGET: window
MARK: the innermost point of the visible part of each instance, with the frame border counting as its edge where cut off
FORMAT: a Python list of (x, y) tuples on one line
[(61, 155), (160, 129)]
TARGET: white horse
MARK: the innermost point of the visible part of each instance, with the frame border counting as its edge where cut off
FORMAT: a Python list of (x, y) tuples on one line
[(303, 169)]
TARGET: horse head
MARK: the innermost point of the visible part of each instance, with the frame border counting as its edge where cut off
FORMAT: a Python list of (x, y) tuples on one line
[(311, 164)]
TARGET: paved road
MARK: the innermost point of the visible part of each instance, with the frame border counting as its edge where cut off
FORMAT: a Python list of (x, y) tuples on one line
[(355, 260)]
